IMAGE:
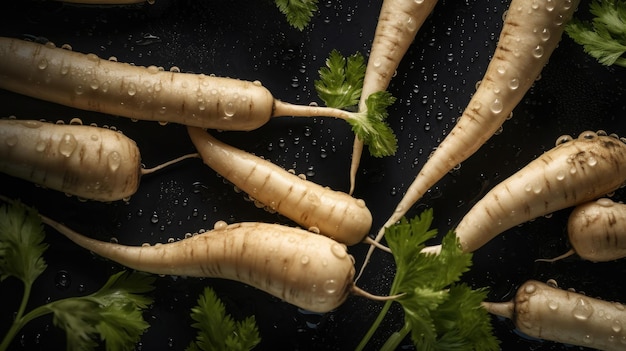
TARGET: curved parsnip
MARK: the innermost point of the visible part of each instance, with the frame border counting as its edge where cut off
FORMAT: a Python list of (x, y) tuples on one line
[(573, 172), (597, 231), (305, 269), (398, 23), (546, 312), (87, 82), (336, 214), (530, 33), (86, 161)]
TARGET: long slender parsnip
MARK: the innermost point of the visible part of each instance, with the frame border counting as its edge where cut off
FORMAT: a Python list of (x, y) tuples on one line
[(597, 231), (542, 311), (573, 172), (398, 23), (305, 269), (336, 214), (87, 82), (86, 161), (530, 33)]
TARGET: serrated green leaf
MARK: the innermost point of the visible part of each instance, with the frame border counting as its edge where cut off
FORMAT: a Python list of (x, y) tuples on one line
[(21, 243), (297, 12), (439, 314), (604, 38), (112, 314), (341, 81), (217, 330)]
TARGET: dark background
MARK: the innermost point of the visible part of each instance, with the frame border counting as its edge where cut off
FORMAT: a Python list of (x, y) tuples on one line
[(251, 40)]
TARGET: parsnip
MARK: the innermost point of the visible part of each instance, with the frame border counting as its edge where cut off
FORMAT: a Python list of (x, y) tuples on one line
[(88, 82), (334, 213), (546, 312), (573, 172), (597, 231), (305, 269)]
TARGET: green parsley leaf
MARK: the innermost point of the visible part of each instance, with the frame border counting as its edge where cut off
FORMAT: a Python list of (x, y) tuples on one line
[(604, 38), (21, 243), (340, 86), (341, 81), (114, 313), (217, 330), (298, 12), (440, 314)]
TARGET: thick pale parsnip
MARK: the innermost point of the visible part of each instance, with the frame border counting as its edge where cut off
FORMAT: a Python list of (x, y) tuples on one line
[(531, 31), (86, 161), (87, 82), (398, 23), (573, 172), (550, 313), (305, 269), (597, 231), (334, 213)]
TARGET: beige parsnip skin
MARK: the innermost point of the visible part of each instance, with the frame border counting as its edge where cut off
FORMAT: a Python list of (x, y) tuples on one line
[(86, 161), (597, 230), (569, 174), (335, 213), (305, 269), (530, 33), (87, 82), (398, 23), (546, 312)]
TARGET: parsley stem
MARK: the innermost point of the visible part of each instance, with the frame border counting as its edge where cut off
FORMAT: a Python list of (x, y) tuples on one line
[(396, 338), (366, 338), (21, 319)]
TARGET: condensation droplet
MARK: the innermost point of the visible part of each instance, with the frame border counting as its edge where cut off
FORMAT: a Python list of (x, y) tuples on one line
[(338, 250), (496, 106), (67, 145), (330, 286), (114, 160), (305, 259), (219, 225), (43, 64), (583, 310), (538, 51), (530, 288)]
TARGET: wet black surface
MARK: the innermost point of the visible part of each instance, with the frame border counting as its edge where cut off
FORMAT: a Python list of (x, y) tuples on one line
[(250, 40)]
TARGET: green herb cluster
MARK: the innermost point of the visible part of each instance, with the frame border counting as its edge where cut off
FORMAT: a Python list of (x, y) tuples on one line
[(112, 314), (297, 12), (440, 313), (217, 331), (340, 86), (604, 37)]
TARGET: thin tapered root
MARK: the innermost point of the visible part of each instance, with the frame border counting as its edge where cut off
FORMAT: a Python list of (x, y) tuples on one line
[(360, 292), (357, 152), (145, 171), (283, 109), (557, 258), (376, 244)]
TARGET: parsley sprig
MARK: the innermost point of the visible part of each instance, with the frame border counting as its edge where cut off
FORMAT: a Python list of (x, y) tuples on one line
[(217, 330), (112, 314), (297, 12), (604, 38), (340, 86), (440, 313)]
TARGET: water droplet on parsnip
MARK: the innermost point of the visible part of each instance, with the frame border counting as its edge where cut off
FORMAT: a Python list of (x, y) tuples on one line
[(114, 161), (67, 145), (583, 310)]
